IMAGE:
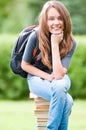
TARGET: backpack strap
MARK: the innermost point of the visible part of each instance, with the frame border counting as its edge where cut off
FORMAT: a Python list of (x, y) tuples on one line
[(36, 50)]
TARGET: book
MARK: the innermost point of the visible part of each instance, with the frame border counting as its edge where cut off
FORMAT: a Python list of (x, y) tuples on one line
[(40, 100), (41, 113), (41, 119), (42, 107)]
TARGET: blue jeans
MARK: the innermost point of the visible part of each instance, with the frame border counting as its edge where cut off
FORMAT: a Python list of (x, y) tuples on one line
[(60, 101)]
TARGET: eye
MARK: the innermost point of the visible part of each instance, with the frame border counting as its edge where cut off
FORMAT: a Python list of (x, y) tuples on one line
[(60, 18), (51, 18)]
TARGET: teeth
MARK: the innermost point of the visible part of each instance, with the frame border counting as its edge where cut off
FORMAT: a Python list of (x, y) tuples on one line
[(56, 28)]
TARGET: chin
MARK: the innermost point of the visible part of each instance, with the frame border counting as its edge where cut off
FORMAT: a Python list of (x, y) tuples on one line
[(57, 32)]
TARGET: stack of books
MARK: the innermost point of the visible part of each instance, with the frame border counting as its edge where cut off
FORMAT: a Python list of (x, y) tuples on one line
[(41, 113)]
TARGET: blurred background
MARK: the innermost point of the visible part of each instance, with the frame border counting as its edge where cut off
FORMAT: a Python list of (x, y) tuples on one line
[(15, 15)]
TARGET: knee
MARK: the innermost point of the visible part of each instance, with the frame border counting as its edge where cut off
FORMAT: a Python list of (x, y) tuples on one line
[(70, 101), (61, 85), (69, 104)]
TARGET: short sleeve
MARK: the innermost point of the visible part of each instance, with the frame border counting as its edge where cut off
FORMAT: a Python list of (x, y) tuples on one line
[(67, 59), (31, 44)]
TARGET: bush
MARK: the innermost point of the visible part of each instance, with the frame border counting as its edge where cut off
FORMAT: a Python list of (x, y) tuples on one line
[(14, 87), (77, 70)]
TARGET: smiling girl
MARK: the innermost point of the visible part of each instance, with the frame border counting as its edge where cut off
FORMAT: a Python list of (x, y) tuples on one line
[(48, 75)]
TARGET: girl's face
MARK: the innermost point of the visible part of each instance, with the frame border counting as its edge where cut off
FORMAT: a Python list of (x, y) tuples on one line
[(54, 21)]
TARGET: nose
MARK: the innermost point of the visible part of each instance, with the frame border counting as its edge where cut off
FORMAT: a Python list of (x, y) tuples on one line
[(56, 21)]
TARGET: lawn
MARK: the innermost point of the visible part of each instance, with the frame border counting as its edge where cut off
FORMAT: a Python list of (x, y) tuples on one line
[(19, 115), (78, 116)]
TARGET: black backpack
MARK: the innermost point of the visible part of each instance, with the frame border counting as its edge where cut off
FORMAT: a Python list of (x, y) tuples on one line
[(18, 50)]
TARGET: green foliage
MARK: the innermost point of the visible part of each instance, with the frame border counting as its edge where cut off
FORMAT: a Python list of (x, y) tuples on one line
[(35, 7), (78, 70), (13, 16), (11, 86), (17, 14)]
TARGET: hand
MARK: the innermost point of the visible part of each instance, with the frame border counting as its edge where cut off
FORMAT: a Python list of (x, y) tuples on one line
[(56, 38), (50, 77)]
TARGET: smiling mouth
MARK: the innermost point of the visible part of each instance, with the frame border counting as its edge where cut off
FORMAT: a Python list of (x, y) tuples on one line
[(58, 30)]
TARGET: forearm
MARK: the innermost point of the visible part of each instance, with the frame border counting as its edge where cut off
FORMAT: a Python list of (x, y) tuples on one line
[(58, 70), (35, 71)]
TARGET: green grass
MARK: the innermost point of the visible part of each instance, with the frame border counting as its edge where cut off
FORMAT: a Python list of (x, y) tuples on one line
[(78, 116), (19, 115)]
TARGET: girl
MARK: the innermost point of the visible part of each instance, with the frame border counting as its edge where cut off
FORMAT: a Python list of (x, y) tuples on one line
[(47, 76)]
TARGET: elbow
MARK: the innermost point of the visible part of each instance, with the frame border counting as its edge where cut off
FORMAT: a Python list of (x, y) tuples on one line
[(60, 74), (23, 65), (63, 72)]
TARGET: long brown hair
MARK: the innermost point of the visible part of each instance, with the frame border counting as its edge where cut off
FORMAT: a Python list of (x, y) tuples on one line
[(44, 34)]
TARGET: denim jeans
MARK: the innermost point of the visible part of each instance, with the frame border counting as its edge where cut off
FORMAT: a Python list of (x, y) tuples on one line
[(56, 92)]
